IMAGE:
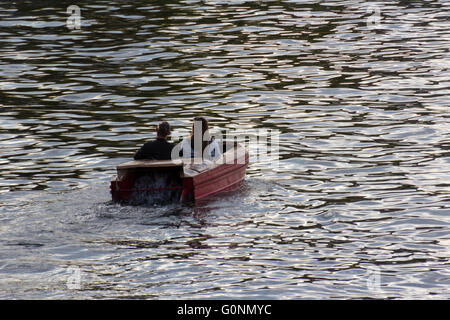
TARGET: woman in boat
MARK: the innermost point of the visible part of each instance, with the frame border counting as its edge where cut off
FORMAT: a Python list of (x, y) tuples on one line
[(200, 143)]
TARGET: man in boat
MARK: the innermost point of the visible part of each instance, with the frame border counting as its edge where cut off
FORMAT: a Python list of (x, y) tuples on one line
[(159, 149)]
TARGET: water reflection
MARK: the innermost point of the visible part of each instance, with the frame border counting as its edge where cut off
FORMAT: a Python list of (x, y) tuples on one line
[(363, 178)]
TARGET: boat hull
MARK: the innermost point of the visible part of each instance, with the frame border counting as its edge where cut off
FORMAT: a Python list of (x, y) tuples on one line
[(180, 184)]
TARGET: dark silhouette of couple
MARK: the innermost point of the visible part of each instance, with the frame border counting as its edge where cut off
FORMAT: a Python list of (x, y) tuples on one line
[(200, 144)]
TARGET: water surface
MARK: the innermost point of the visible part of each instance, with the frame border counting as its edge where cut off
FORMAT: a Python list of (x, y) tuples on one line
[(362, 189)]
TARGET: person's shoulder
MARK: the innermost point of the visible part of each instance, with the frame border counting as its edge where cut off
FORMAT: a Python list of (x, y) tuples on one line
[(162, 141), (149, 143), (171, 144)]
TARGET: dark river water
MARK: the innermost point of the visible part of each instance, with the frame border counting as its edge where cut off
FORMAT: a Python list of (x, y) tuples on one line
[(358, 207)]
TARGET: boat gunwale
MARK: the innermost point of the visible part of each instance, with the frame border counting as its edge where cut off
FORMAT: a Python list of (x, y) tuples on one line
[(223, 160)]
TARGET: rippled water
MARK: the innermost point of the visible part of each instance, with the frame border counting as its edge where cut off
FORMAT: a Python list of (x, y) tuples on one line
[(362, 192)]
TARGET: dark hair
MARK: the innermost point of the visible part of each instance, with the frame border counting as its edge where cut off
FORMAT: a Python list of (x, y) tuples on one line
[(204, 124), (163, 129)]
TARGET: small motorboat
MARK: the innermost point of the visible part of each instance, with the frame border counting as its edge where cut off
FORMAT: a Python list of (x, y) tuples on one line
[(186, 180)]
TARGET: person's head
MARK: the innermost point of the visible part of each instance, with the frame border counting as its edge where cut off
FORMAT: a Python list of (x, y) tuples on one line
[(200, 125), (200, 122), (163, 129)]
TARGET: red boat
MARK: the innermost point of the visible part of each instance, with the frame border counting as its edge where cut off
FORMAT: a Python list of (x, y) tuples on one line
[(151, 181)]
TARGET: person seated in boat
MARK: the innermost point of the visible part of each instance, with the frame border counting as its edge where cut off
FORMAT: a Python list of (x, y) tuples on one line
[(158, 149), (200, 143)]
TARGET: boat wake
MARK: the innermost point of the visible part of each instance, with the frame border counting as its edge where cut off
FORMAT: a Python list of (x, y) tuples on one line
[(155, 189)]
